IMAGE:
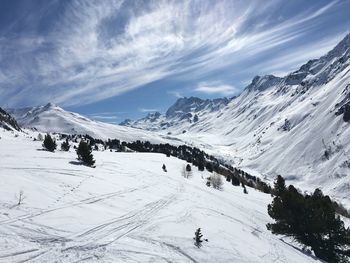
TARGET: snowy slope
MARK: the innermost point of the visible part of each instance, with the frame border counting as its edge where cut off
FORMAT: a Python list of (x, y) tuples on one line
[(51, 118), (297, 126), (126, 210)]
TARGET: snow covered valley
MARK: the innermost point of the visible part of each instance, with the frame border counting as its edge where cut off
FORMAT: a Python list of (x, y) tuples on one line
[(127, 209)]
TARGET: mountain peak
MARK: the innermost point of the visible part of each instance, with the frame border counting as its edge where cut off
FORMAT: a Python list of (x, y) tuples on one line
[(50, 105), (261, 83), (340, 49), (185, 106), (153, 114)]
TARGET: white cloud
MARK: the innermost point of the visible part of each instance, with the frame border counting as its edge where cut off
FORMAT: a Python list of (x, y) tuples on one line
[(77, 62), (220, 89)]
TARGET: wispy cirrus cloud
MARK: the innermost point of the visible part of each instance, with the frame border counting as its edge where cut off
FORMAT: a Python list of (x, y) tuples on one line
[(282, 65), (88, 51)]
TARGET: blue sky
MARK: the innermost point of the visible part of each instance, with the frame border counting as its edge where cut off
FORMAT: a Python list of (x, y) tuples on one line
[(112, 60)]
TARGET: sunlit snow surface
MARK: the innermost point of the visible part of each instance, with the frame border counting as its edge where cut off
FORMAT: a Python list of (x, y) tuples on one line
[(125, 210)]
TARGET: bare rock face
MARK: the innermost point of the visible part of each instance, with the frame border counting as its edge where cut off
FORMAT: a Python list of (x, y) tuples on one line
[(8, 122), (345, 111)]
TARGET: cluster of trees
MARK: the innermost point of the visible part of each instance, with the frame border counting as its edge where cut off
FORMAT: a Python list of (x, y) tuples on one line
[(84, 150), (311, 220)]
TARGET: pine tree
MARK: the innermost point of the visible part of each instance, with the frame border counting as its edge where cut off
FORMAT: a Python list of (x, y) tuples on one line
[(65, 146), (279, 185), (235, 181), (201, 166), (84, 153), (49, 144), (198, 238)]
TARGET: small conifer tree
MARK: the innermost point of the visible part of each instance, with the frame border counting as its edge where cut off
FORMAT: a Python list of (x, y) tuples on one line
[(84, 153), (198, 238), (65, 146), (49, 143)]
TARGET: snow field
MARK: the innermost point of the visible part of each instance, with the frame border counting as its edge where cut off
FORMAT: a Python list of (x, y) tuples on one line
[(125, 210)]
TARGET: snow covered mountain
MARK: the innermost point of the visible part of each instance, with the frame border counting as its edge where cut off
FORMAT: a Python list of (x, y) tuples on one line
[(7, 121), (51, 118), (297, 125), (183, 113), (127, 209)]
